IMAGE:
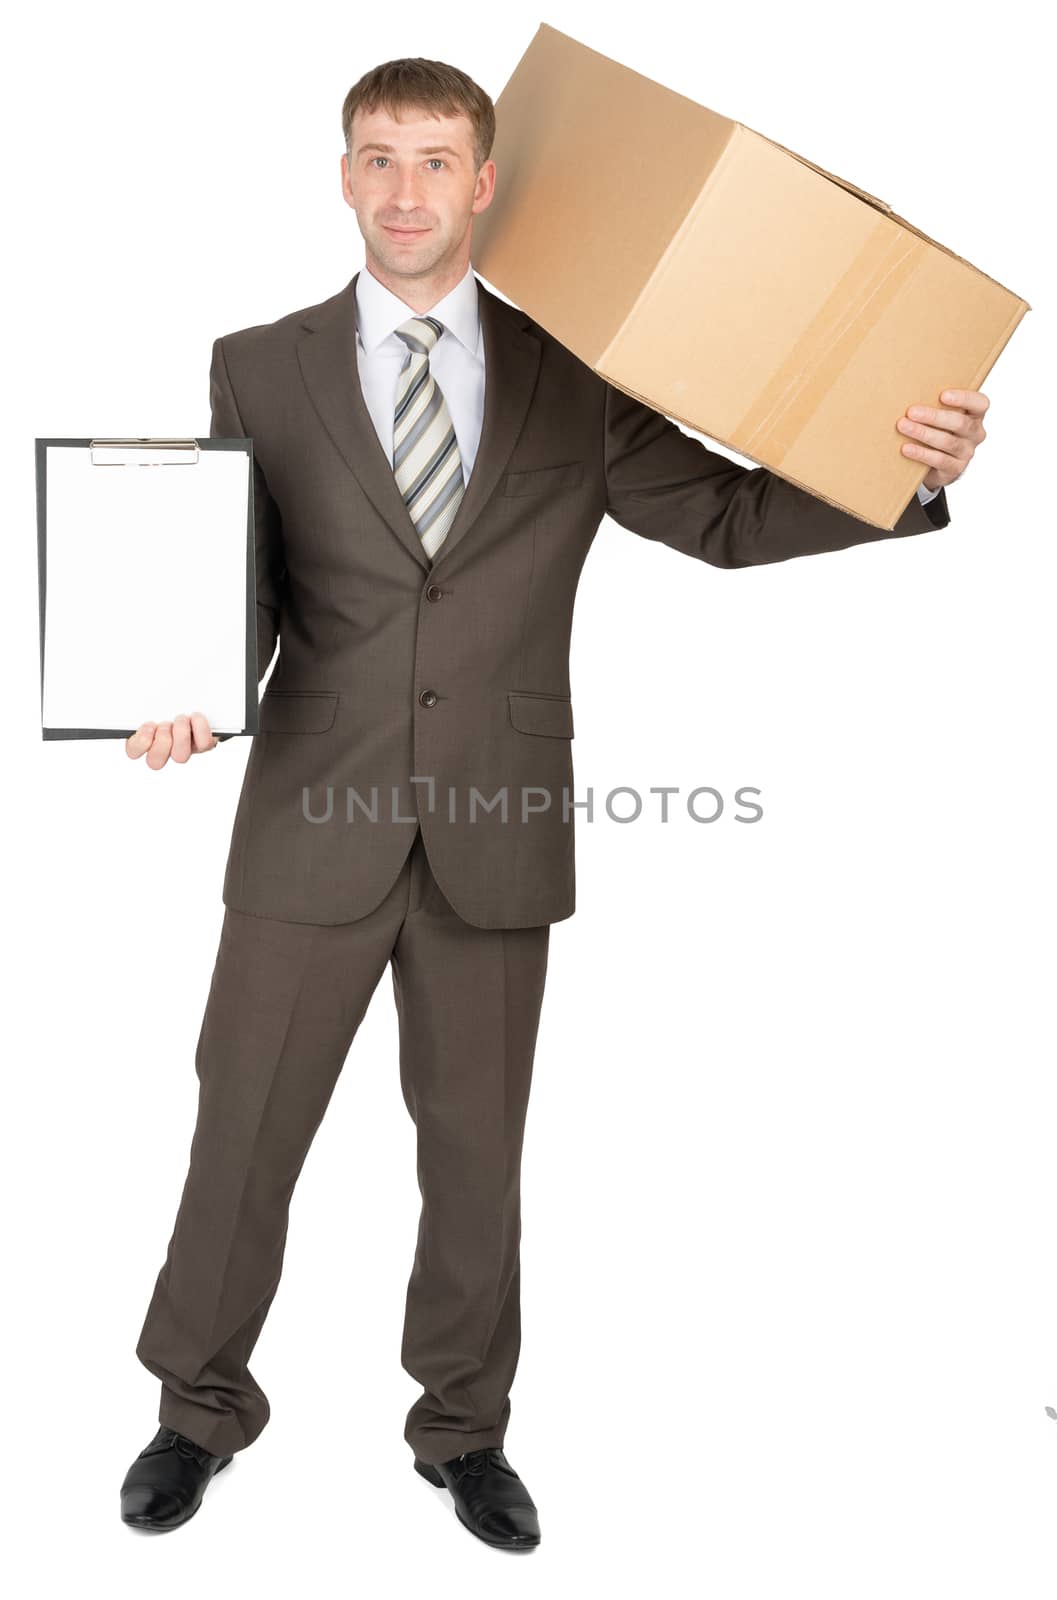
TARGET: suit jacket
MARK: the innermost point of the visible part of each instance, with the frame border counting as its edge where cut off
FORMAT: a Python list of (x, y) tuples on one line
[(403, 686)]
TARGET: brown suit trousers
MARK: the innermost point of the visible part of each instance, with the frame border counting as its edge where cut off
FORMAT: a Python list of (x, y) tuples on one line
[(285, 1002)]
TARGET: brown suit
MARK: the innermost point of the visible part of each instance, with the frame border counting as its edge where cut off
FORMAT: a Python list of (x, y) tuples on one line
[(453, 672), (367, 625)]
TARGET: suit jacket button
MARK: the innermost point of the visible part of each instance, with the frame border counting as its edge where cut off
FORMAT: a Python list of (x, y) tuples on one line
[(427, 698), (434, 592)]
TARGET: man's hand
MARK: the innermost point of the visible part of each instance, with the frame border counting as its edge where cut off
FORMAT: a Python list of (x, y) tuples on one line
[(182, 738), (947, 439)]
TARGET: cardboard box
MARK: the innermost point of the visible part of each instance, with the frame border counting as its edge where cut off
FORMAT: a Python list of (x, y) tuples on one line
[(727, 281)]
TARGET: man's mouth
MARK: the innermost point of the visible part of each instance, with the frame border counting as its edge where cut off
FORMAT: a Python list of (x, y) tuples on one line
[(405, 233)]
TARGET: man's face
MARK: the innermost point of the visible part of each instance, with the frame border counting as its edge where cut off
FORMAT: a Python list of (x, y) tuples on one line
[(414, 190)]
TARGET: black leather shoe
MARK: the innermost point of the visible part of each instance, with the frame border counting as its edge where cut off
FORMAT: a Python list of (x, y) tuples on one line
[(490, 1498), (163, 1487)]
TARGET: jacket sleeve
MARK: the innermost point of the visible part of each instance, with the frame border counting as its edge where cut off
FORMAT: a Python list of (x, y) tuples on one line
[(226, 423), (666, 485)]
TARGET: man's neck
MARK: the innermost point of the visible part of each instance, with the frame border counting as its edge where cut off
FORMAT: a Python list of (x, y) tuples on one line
[(421, 294)]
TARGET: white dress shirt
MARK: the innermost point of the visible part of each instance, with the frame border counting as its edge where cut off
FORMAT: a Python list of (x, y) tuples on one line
[(456, 361)]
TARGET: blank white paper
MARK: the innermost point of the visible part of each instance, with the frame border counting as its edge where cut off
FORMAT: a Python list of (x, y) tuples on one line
[(145, 591)]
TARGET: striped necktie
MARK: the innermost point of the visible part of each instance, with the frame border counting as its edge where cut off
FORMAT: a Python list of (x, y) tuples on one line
[(426, 458)]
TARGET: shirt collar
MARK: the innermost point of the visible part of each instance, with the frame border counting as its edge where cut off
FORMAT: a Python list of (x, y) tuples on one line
[(379, 312)]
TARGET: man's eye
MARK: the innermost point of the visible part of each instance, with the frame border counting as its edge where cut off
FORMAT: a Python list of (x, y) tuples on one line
[(440, 162)]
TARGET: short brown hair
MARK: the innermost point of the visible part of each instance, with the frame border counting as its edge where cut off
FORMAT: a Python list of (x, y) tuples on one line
[(414, 83)]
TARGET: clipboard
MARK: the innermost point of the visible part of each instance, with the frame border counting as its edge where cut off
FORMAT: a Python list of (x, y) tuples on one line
[(148, 572)]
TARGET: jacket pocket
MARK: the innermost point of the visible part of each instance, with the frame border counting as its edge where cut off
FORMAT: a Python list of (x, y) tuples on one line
[(297, 710), (544, 480), (550, 714)]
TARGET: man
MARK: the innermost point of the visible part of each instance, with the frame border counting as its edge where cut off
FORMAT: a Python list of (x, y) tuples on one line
[(430, 470)]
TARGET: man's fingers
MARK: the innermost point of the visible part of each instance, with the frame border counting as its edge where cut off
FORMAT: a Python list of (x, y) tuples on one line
[(968, 399), (950, 421), (137, 744), (181, 739), (201, 733), (160, 750), (955, 444)]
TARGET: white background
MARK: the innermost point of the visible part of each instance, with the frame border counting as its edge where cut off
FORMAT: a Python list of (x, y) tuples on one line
[(790, 1210)]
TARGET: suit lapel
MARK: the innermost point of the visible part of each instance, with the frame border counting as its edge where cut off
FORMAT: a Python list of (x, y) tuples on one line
[(326, 352)]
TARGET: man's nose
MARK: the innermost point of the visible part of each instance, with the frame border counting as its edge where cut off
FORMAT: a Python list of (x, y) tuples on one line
[(407, 194)]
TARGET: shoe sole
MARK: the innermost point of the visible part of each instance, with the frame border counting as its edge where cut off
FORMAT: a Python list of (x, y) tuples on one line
[(432, 1476), (168, 1527)]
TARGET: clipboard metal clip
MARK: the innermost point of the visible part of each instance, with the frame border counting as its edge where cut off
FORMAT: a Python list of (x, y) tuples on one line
[(144, 452)]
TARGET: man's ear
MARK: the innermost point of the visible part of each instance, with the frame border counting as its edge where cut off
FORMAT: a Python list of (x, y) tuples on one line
[(486, 200)]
